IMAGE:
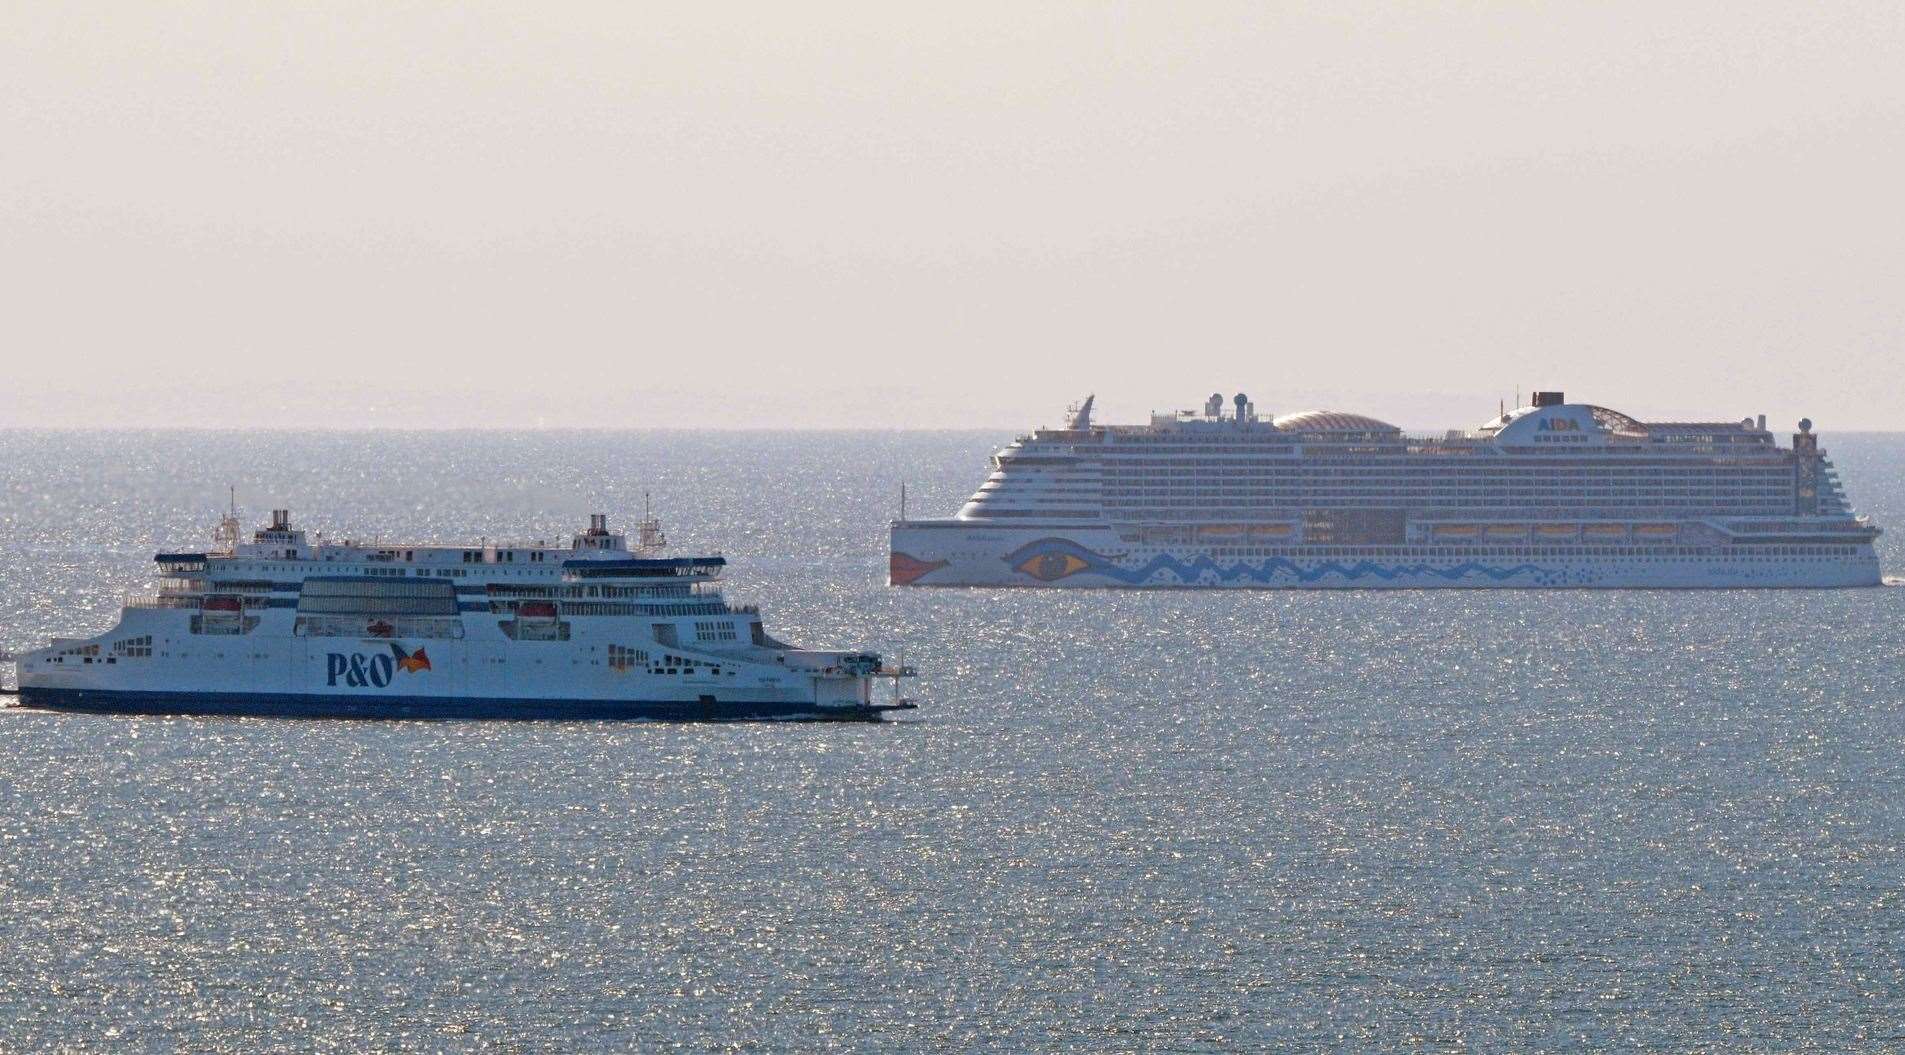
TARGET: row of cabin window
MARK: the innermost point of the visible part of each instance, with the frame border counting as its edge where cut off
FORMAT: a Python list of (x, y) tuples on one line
[(503, 556)]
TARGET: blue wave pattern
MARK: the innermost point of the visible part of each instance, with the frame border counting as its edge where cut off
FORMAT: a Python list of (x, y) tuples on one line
[(1045, 559)]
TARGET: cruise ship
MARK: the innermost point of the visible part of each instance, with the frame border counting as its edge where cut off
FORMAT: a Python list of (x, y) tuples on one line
[(1553, 494), (291, 624)]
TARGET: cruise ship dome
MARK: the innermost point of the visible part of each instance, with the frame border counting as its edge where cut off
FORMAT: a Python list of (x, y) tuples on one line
[(1331, 421)]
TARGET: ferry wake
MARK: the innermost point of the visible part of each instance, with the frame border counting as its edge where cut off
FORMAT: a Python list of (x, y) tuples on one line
[(1554, 494), (287, 624)]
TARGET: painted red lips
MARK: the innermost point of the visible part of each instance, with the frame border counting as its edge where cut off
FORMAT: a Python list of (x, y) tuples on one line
[(903, 569)]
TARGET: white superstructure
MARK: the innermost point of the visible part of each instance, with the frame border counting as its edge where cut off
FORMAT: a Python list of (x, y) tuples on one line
[(290, 624), (1554, 494)]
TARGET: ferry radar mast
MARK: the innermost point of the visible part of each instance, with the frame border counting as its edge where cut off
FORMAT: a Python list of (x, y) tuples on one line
[(649, 540), (225, 537)]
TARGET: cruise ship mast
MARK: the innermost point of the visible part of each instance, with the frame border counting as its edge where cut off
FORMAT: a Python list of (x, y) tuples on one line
[(1080, 414)]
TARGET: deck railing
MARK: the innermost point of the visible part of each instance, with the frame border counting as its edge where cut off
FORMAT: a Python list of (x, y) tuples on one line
[(149, 600)]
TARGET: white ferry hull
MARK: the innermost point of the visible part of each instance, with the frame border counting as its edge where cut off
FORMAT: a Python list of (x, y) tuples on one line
[(284, 627), (945, 554), (271, 672)]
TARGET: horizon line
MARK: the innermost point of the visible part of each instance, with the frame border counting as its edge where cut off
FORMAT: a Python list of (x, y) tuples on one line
[(1407, 431)]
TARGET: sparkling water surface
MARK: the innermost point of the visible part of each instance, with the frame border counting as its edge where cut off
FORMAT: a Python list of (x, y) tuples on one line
[(1121, 821)]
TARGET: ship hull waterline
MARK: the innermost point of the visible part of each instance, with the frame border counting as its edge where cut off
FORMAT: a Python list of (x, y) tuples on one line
[(448, 708)]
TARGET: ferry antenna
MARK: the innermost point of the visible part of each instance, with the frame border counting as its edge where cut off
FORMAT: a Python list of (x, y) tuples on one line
[(225, 538)]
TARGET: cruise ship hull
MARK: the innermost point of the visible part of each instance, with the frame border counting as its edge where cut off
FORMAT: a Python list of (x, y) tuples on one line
[(313, 705), (1553, 495), (946, 553)]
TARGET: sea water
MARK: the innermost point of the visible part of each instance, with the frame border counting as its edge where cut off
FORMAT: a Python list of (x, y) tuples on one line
[(1120, 821)]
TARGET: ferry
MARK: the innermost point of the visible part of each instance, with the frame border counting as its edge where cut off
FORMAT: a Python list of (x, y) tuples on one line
[(290, 624), (1552, 494)]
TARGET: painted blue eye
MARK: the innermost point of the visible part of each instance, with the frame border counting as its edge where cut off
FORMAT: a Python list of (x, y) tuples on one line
[(1049, 566)]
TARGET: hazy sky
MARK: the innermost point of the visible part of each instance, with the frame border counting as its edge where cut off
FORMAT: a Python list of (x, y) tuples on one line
[(944, 215)]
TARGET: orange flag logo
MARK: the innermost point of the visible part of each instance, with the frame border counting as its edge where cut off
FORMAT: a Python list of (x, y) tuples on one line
[(410, 662)]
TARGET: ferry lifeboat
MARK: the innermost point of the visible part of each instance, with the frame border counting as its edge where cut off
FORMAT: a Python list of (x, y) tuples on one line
[(222, 614), (537, 621)]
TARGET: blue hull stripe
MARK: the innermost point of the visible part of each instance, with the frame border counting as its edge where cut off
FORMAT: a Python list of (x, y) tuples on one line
[(1265, 573), (309, 705)]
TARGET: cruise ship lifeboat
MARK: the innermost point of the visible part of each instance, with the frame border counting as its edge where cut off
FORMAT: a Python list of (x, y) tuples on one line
[(1456, 530), (1507, 531)]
